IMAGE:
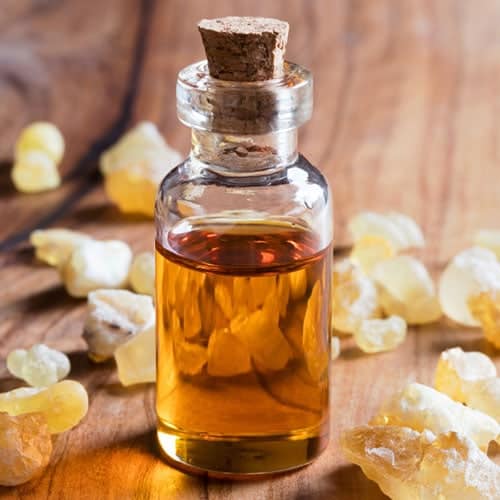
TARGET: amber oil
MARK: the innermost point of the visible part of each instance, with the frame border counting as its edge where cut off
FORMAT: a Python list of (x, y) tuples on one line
[(243, 347)]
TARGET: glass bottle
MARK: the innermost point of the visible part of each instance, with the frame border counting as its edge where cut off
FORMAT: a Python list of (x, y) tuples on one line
[(243, 277)]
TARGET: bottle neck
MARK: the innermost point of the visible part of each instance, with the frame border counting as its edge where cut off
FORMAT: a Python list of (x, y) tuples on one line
[(244, 153)]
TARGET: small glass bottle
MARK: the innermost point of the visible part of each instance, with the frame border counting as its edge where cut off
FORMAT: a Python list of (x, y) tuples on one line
[(243, 276)]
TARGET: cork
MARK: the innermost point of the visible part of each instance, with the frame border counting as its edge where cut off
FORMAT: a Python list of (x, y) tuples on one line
[(244, 49)]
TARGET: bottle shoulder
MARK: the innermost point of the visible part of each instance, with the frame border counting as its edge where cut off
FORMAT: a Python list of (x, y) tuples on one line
[(297, 193), (189, 172)]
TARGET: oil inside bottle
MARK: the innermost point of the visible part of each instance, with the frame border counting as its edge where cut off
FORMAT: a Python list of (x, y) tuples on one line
[(243, 323)]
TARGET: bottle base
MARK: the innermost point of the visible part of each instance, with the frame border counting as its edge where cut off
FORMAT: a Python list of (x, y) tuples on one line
[(241, 457)]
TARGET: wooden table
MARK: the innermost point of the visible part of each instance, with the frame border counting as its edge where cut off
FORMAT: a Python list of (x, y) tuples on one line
[(407, 118)]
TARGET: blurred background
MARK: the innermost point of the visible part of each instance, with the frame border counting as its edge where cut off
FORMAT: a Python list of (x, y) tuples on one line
[(406, 98)]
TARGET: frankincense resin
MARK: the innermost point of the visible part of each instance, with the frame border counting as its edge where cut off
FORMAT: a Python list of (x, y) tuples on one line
[(243, 322)]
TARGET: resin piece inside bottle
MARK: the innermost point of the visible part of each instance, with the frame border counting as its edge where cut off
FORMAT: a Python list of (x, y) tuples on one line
[(243, 265)]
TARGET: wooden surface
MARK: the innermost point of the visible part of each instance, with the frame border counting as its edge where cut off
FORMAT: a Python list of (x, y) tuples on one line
[(406, 118)]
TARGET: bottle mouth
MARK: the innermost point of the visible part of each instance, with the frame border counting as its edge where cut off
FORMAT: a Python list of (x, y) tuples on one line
[(206, 103)]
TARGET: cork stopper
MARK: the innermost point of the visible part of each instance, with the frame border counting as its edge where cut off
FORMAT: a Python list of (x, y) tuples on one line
[(244, 49)]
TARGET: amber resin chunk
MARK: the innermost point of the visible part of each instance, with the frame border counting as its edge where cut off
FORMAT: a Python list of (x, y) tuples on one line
[(379, 335), (63, 405), (469, 273), (457, 371), (25, 447), (420, 407), (485, 308), (409, 465), (406, 289), (113, 318), (39, 366), (354, 297)]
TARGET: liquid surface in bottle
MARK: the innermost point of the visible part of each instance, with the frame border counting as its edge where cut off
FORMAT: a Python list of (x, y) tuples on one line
[(243, 321)]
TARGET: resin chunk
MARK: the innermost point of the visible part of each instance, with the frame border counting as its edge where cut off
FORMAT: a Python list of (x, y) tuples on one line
[(113, 318), (354, 297), (399, 230), (414, 237), (39, 366), (264, 340), (370, 250), (63, 404), (469, 273), (227, 355), (378, 335), (409, 465), (314, 344), (134, 167), (25, 447), (457, 370), (485, 308), (190, 358), (420, 407), (136, 358), (96, 264), (34, 172), (484, 395), (298, 284), (407, 290), (41, 136), (55, 246), (142, 273)]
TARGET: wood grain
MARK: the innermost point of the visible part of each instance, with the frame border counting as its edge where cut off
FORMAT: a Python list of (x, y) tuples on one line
[(407, 106)]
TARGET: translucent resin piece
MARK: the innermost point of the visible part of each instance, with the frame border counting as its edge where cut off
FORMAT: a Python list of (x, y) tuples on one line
[(354, 297), (142, 273), (190, 358), (469, 273), (408, 465), (55, 246), (407, 290), (134, 167), (264, 340), (484, 395), (399, 230), (41, 136), (370, 250), (485, 308), (113, 318), (227, 355), (34, 172), (420, 407), (314, 345), (96, 264), (25, 447), (136, 358), (412, 231), (63, 404), (298, 284), (39, 366), (378, 335), (457, 370)]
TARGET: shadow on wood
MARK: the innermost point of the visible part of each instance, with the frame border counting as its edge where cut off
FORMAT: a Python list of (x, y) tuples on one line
[(9, 383), (7, 188), (343, 484), (54, 297), (106, 214)]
